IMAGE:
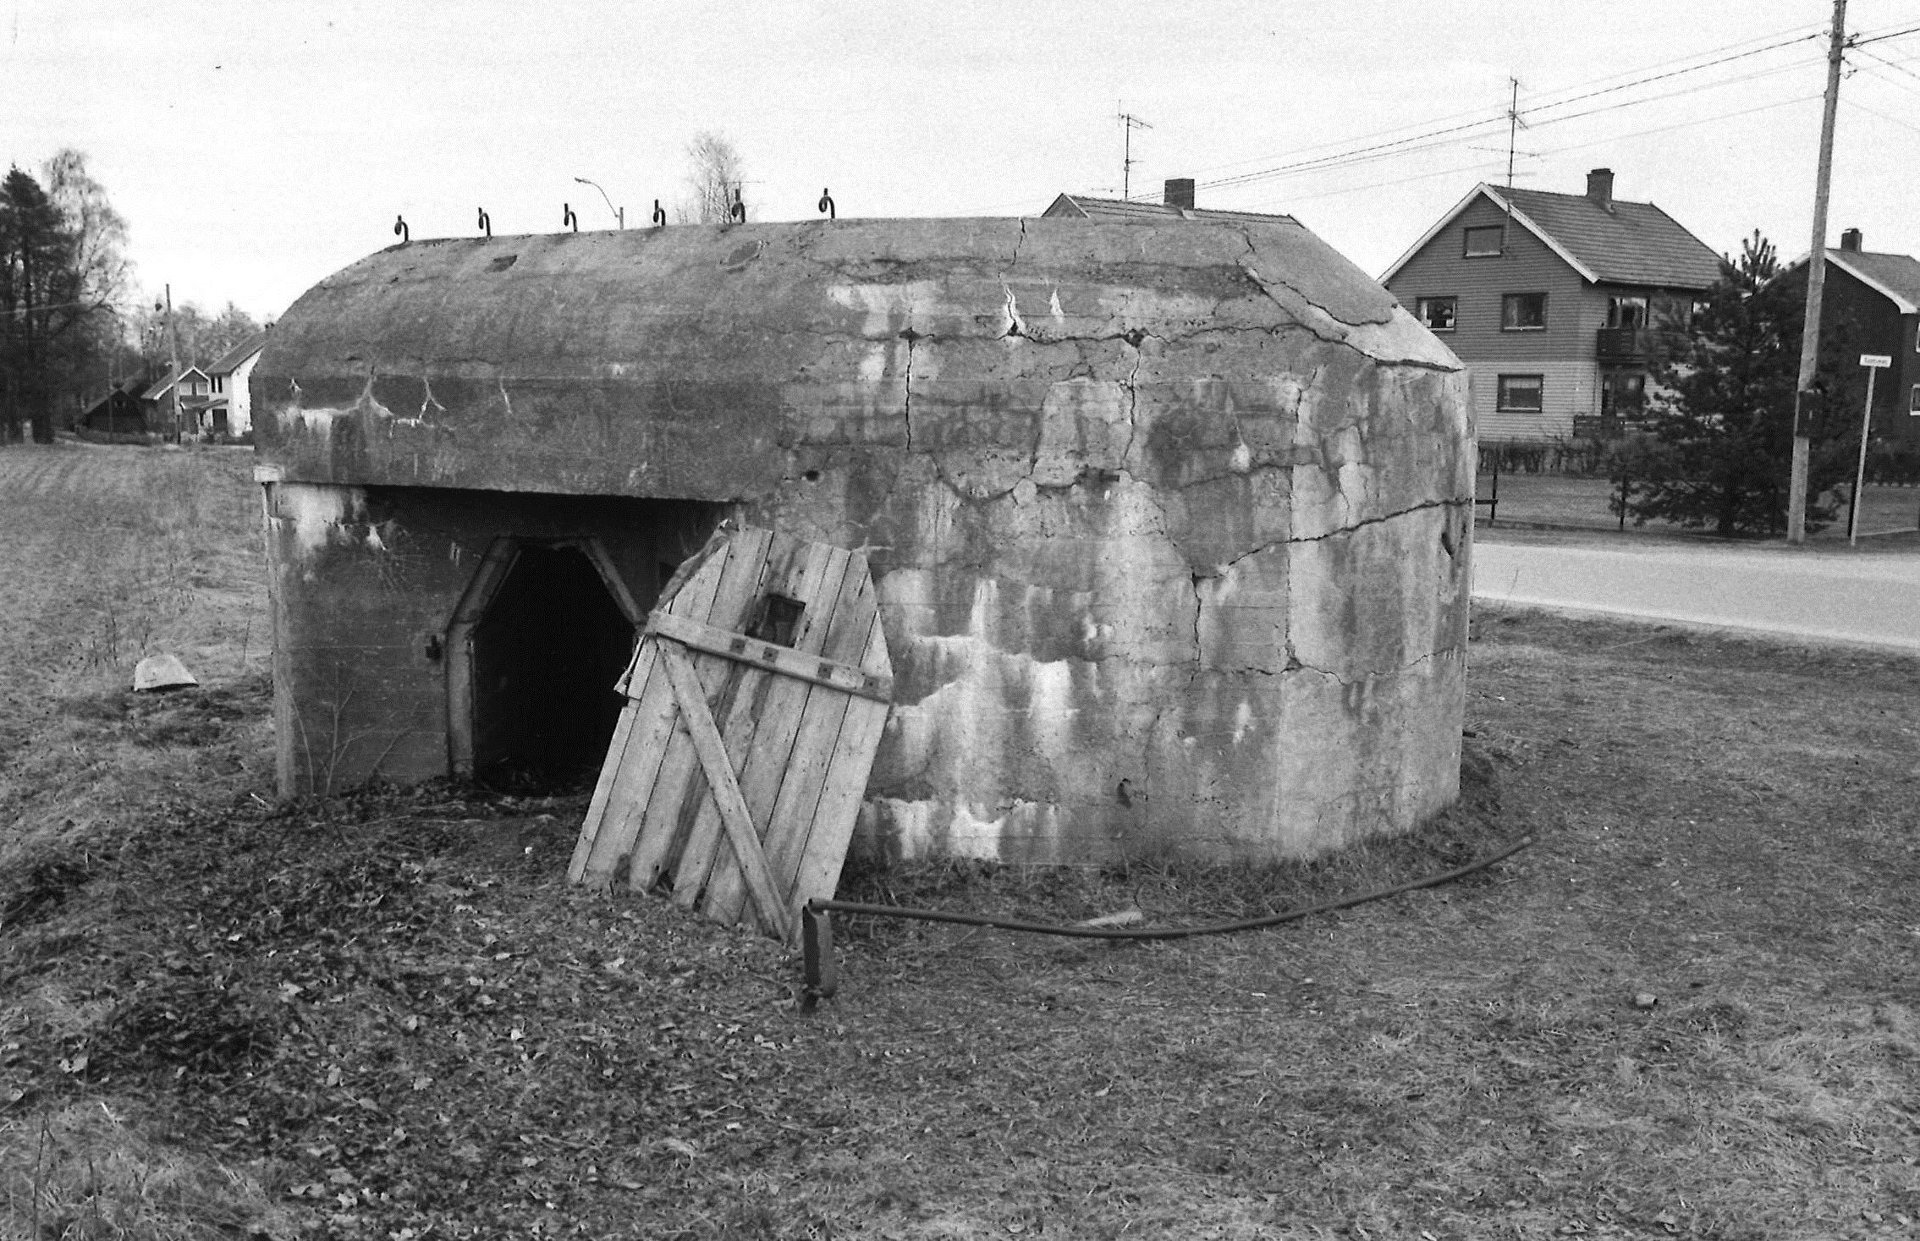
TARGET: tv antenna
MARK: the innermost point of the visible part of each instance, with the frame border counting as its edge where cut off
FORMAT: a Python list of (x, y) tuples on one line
[(1128, 123), (1514, 126)]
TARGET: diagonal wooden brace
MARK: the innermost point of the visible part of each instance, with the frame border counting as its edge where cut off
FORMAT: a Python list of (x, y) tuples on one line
[(734, 816)]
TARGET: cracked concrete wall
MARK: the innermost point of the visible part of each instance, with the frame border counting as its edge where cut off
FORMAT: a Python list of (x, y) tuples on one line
[(1170, 523)]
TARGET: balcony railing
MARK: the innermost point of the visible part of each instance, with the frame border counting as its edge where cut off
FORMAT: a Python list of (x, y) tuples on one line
[(1624, 344)]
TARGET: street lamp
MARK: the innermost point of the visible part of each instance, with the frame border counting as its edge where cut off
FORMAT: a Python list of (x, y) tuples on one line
[(619, 213)]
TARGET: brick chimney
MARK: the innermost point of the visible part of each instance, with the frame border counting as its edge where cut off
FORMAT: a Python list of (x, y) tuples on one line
[(1180, 193), (1600, 187), (1850, 240)]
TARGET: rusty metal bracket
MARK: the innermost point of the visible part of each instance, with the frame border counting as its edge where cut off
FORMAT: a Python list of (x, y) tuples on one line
[(819, 972)]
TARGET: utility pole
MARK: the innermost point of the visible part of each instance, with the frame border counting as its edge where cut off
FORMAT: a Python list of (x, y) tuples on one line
[(1128, 123), (173, 359), (1816, 285)]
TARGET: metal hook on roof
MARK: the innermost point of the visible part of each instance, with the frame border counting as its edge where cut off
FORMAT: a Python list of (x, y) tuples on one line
[(659, 216), (738, 212), (401, 230), (826, 204), (486, 222), (567, 217)]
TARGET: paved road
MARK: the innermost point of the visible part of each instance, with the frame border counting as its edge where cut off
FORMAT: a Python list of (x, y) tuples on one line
[(1872, 599)]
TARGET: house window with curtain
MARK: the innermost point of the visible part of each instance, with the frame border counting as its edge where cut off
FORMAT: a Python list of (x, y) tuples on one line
[(1523, 312), (1626, 311), (1437, 312), (1521, 394)]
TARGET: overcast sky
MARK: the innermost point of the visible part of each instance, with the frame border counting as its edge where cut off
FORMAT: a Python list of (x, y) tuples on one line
[(255, 147)]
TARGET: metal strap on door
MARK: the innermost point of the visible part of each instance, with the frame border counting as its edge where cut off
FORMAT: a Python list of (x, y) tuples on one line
[(755, 703)]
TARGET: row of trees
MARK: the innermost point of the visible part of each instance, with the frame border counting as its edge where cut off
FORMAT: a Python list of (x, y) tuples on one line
[(63, 274), (1718, 433), (71, 323)]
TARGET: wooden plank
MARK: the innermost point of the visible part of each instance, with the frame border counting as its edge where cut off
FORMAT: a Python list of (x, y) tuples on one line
[(629, 773), (777, 729), (734, 577), (804, 780), (795, 571), (725, 793), (735, 739), (634, 763), (611, 770), (844, 788), (781, 659)]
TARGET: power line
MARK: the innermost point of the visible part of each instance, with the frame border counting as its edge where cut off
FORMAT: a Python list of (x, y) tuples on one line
[(1548, 100), (1485, 164), (1858, 41), (1897, 67), (1406, 145), (1882, 115), (1446, 138)]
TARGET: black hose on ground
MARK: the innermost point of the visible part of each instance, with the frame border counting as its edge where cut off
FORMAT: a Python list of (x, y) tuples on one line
[(821, 974)]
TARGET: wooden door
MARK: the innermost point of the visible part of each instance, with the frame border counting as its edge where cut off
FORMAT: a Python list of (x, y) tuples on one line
[(755, 701)]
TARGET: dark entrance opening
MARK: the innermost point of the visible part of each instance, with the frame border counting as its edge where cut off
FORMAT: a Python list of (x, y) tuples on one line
[(546, 653)]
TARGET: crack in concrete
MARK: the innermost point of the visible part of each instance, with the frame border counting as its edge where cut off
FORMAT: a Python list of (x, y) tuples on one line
[(906, 388), (1265, 286), (1359, 525)]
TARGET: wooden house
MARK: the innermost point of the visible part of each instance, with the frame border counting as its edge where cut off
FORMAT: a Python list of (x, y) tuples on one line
[(119, 412), (230, 411), (1873, 298), (1555, 303), (193, 388)]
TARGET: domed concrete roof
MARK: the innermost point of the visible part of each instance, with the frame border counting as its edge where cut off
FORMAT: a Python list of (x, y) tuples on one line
[(616, 362)]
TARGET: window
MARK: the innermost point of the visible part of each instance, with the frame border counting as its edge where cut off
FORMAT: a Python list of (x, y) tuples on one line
[(219, 383), (1519, 394), (1914, 408), (1523, 312), (1623, 394), (1626, 312), (1485, 241), (1437, 312)]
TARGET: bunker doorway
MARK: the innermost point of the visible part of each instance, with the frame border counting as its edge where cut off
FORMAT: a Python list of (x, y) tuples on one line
[(545, 631)]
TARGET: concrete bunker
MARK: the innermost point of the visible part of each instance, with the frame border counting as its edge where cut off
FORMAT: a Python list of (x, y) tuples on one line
[(1169, 522)]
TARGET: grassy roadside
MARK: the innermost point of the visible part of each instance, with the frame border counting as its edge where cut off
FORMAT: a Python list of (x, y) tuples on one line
[(1687, 1011), (1573, 503)]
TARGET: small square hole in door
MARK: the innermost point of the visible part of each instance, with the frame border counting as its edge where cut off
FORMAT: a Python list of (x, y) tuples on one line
[(778, 620)]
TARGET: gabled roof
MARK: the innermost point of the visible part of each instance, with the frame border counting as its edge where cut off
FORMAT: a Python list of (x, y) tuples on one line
[(1634, 243), (126, 387), (234, 358), (168, 380), (1895, 277), (1081, 207)]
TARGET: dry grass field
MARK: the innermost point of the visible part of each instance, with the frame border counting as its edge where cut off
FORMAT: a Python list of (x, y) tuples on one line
[(1689, 1009)]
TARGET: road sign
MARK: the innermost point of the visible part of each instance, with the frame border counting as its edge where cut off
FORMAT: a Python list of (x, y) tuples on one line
[(1876, 359)]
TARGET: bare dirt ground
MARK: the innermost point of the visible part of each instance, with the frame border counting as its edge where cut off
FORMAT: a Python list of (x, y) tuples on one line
[(1687, 1010)]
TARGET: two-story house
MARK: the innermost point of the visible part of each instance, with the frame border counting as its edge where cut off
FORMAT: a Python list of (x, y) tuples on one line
[(194, 390), (231, 412), (1553, 301), (1875, 298)]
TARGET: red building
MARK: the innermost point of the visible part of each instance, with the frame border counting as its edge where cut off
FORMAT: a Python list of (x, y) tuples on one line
[(1874, 299)]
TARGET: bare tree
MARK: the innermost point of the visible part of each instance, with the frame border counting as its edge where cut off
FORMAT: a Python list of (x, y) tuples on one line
[(100, 233), (714, 175)]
